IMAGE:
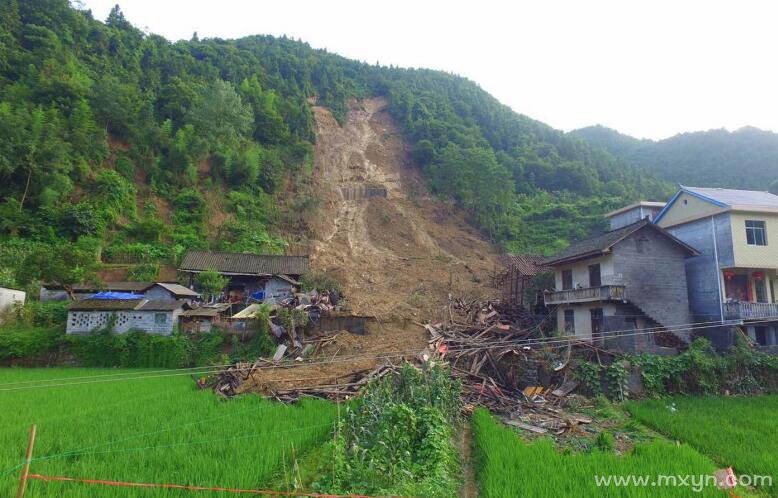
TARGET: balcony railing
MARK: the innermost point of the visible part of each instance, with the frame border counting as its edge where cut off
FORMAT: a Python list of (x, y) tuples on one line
[(750, 311), (602, 293)]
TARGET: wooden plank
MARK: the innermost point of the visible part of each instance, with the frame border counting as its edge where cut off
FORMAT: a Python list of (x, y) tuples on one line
[(279, 353), (526, 427)]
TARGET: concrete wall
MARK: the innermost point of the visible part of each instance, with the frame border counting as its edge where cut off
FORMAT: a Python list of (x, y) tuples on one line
[(703, 274), (687, 208), (277, 289), (8, 297), (752, 256), (619, 332), (158, 292), (82, 322), (581, 272), (652, 268)]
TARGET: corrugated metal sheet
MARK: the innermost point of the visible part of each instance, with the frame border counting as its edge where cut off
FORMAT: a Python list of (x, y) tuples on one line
[(244, 264), (732, 197), (177, 289)]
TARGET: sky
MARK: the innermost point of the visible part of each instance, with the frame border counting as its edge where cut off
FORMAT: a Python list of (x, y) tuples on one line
[(650, 69)]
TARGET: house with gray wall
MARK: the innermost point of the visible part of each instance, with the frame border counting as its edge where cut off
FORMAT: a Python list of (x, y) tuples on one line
[(612, 286), (252, 277), (734, 281), (632, 213), (146, 315)]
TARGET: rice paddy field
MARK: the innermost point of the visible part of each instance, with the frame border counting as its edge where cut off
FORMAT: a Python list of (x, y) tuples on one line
[(507, 466), (737, 431), (142, 426)]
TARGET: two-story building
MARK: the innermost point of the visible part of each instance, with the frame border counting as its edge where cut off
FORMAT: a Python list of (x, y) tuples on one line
[(625, 280), (735, 280)]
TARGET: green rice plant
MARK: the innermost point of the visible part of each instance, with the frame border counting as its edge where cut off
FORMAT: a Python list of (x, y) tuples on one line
[(147, 426), (737, 431), (509, 467)]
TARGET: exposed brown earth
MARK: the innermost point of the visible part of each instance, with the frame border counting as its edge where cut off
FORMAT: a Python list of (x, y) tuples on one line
[(399, 256)]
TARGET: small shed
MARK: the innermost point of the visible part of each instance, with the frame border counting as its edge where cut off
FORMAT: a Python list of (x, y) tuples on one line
[(205, 317), (9, 297), (170, 290), (515, 273), (147, 315)]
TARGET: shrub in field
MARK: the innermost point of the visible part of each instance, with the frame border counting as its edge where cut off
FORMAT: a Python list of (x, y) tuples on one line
[(28, 342), (698, 370), (396, 438), (103, 348), (737, 431), (509, 467)]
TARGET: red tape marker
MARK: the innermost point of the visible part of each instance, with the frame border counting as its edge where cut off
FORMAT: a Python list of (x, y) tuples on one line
[(194, 488)]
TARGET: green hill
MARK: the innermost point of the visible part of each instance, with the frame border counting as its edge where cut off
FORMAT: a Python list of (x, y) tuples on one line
[(139, 148), (746, 158)]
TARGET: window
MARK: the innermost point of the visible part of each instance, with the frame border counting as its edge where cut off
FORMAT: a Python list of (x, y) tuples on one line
[(569, 321), (761, 291), (597, 320), (756, 234), (567, 279), (594, 276), (761, 335), (160, 318)]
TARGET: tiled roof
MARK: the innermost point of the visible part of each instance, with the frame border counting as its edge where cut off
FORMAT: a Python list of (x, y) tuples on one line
[(106, 286), (597, 245), (178, 289), (105, 304), (207, 310), (526, 264), (741, 198), (244, 264), (126, 305), (160, 305)]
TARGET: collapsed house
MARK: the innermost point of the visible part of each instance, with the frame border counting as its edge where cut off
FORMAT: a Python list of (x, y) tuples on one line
[(252, 277)]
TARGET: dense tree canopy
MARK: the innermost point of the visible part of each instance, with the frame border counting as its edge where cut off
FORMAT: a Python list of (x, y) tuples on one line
[(105, 129), (746, 158)]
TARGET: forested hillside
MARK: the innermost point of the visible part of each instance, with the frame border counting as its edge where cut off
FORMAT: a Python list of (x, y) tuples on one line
[(125, 145), (746, 158)]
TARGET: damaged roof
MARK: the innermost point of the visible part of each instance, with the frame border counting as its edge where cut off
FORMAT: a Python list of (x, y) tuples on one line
[(235, 263), (596, 246)]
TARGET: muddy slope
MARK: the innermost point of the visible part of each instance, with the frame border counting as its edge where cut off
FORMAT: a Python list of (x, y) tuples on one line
[(398, 255)]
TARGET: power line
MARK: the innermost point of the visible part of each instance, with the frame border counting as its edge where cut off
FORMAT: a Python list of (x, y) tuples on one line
[(562, 340)]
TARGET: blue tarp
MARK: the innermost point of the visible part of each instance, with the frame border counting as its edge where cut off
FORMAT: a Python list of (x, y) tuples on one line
[(258, 295), (115, 295)]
